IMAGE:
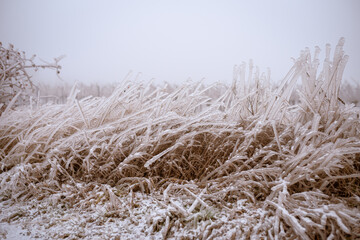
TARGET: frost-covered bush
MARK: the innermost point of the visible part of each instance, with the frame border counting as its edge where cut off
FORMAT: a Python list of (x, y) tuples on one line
[(15, 78)]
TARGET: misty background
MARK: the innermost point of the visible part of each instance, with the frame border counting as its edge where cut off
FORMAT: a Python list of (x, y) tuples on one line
[(176, 40)]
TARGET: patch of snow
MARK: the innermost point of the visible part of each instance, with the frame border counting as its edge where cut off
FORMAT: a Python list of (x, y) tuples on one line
[(14, 232)]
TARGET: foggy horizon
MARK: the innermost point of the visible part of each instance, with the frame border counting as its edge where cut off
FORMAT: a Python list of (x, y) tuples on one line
[(173, 41)]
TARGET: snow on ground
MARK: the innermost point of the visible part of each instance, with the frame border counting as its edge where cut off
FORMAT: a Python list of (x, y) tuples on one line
[(13, 231), (147, 218)]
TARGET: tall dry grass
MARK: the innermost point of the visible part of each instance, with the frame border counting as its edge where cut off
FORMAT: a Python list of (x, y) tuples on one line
[(216, 144)]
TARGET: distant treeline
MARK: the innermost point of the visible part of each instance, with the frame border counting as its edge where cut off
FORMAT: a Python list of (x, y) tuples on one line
[(59, 93), (349, 92)]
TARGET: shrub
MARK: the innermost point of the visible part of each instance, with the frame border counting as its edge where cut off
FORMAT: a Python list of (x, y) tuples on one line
[(16, 82)]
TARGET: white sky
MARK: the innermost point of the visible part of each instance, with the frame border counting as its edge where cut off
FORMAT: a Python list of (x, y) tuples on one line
[(174, 40)]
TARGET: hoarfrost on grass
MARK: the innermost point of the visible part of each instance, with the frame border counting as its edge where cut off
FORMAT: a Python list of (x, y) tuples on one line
[(193, 161)]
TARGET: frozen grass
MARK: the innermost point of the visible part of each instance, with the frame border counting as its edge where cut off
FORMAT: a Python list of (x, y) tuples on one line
[(197, 161)]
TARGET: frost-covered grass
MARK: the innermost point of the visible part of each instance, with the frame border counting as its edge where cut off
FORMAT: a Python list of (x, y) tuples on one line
[(191, 162)]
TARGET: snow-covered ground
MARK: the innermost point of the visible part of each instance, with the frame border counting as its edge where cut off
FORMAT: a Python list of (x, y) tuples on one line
[(13, 231), (143, 218)]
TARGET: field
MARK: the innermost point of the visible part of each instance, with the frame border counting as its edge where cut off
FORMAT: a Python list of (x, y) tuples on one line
[(247, 161)]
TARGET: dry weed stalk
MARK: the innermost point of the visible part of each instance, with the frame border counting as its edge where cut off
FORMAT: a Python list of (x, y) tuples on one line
[(299, 164)]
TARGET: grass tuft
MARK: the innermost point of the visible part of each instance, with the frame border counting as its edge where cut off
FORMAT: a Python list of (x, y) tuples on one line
[(200, 152)]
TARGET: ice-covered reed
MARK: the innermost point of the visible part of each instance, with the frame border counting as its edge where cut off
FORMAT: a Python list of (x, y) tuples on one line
[(298, 163)]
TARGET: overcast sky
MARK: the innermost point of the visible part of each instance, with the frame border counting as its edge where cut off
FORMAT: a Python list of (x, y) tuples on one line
[(174, 40)]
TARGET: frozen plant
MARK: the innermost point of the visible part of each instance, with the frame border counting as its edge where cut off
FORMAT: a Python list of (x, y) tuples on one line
[(14, 75)]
